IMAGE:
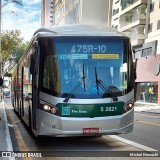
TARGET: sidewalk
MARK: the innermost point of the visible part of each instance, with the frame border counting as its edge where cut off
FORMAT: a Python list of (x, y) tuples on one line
[(147, 107), (5, 140)]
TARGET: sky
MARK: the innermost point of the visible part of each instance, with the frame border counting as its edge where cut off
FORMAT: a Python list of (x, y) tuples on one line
[(26, 18)]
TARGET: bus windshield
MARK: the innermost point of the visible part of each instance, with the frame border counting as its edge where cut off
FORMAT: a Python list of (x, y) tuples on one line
[(95, 59)]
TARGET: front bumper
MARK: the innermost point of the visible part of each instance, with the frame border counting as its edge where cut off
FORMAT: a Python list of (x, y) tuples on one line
[(52, 125)]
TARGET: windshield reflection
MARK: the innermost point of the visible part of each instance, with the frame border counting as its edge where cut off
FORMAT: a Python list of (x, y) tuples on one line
[(67, 59)]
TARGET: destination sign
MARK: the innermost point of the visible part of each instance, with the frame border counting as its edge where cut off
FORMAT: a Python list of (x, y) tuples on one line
[(89, 48), (105, 56)]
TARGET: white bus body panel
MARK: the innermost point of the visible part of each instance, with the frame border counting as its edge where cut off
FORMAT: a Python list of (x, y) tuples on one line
[(53, 125), (66, 126)]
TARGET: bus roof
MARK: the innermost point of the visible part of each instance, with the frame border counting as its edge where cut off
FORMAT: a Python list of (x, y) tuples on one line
[(77, 30)]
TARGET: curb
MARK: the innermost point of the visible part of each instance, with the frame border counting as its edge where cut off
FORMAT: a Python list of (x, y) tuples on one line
[(151, 112)]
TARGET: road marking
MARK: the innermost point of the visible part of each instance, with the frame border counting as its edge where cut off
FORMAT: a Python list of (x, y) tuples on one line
[(21, 143), (137, 145), (19, 138), (8, 137), (148, 114), (152, 123)]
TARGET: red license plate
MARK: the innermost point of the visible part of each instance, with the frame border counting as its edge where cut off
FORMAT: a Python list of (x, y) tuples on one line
[(90, 130)]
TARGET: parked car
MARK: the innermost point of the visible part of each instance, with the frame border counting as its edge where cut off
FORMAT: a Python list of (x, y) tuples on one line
[(6, 93)]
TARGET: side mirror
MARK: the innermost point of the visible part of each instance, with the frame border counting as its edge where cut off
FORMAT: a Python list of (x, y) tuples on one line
[(134, 51), (32, 64), (1, 82), (36, 45), (135, 69)]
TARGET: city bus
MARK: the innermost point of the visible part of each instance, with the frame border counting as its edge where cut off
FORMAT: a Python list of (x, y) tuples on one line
[(76, 80)]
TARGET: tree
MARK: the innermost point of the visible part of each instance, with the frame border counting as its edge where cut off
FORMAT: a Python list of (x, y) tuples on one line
[(4, 54), (20, 50), (10, 43), (16, 55), (8, 36)]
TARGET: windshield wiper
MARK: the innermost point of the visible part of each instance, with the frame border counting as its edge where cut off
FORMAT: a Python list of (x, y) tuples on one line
[(84, 82), (104, 87), (76, 87)]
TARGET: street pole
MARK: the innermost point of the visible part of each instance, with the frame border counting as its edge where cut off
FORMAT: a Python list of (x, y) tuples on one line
[(0, 40), (0, 54)]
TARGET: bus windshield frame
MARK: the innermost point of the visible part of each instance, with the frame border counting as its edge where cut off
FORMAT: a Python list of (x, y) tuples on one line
[(66, 60)]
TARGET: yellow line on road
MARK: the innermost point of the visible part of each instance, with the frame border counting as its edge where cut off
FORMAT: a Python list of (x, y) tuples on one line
[(19, 138), (152, 123)]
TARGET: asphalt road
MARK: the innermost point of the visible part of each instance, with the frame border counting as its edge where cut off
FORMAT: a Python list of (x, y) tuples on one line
[(146, 130), (144, 137)]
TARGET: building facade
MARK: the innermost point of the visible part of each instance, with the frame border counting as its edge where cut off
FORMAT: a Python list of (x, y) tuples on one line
[(47, 13), (88, 12), (139, 19), (58, 12), (129, 16)]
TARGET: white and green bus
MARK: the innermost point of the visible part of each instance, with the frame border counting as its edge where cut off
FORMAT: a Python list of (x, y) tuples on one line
[(76, 80)]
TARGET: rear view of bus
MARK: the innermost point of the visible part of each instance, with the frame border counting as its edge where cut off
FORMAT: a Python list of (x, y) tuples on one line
[(80, 82)]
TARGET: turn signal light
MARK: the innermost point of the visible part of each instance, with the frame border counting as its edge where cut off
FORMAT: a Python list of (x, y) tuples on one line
[(128, 107), (49, 109)]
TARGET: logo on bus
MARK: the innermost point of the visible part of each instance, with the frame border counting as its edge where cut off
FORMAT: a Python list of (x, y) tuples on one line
[(66, 111)]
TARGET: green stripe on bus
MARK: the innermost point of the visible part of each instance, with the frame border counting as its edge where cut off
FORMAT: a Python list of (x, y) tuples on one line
[(90, 110)]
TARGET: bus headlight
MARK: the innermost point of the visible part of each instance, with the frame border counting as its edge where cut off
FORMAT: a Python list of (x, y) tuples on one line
[(49, 109), (128, 107), (54, 110), (46, 107)]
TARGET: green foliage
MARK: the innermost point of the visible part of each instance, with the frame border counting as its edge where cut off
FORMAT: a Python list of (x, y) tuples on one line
[(12, 47), (20, 50), (10, 42)]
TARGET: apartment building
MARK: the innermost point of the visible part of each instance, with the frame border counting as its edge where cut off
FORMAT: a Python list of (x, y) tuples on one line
[(88, 12), (129, 16), (47, 13), (154, 23), (139, 19), (58, 12)]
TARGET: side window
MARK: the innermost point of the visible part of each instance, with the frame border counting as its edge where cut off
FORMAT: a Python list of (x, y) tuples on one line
[(27, 76), (27, 82), (152, 7), (158, 25), (150, 27), (50, 77)]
